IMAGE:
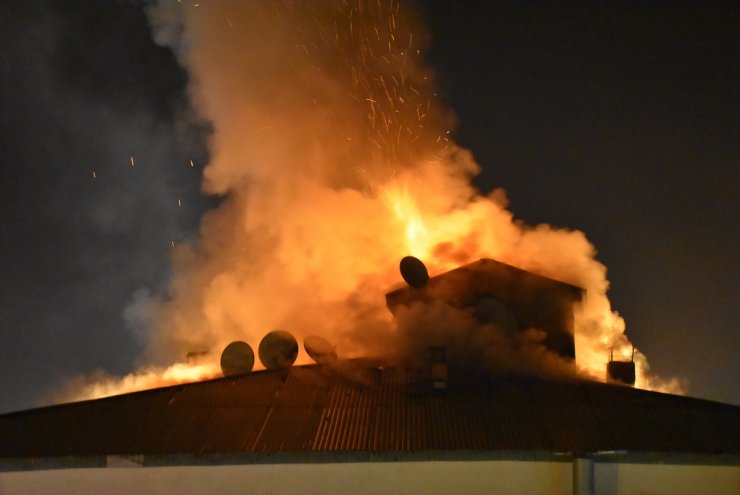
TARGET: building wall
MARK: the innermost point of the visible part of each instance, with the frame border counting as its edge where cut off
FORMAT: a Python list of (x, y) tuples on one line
[(438, 477), (666, 479)]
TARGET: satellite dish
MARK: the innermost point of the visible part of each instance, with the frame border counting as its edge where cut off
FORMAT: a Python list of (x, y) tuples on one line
[(414, 272), (278, 350), (237, 359), (319, 349)]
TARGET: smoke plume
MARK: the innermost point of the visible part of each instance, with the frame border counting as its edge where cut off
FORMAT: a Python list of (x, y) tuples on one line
[(334, 160)]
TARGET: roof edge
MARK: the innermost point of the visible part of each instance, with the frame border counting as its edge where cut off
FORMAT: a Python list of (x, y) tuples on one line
[(348, 457)]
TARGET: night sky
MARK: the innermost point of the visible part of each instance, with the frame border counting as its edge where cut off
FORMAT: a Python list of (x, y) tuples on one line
[(619, 119)]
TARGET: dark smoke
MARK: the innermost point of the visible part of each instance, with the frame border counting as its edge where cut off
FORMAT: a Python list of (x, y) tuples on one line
[(83, 88)]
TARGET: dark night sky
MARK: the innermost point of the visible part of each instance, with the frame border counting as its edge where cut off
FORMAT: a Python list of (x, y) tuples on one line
[(619, 119)]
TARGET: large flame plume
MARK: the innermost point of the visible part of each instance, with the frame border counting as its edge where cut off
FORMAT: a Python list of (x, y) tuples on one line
[(334, 160)]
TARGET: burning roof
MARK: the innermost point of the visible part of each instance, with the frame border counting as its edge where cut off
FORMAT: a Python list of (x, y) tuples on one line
[(309, 411)]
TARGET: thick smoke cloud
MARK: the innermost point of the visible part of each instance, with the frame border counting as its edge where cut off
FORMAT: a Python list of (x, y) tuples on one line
[(83, 231), (334, 160)]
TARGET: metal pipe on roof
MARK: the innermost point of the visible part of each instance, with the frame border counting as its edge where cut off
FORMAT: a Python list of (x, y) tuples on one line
[(583, 474)]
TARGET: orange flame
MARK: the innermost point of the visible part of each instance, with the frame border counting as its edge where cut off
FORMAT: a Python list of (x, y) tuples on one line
[(336, 161), (401, 202), (143, 379)]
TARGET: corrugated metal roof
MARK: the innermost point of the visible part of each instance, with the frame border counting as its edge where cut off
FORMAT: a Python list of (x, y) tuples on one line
[(354, 407)]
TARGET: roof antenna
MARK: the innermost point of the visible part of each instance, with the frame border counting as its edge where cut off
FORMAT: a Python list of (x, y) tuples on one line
[(319, 349), (414, 272), (237, 359), (278, 350)]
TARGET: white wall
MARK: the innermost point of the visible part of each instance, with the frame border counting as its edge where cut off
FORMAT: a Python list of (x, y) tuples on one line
[(443, 477), (666, 479), (439, 477)]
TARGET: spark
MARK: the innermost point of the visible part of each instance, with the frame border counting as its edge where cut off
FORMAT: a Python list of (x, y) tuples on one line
[(179, 202), (191, 163), (131, 158), (93, 174)]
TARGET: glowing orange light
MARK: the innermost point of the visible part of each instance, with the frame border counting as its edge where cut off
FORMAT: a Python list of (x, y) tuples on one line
[(403, 205)]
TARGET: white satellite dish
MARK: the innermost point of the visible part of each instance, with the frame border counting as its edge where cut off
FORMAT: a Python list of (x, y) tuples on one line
[(237, 359), (278, 350), (319, 349), (414, 272)]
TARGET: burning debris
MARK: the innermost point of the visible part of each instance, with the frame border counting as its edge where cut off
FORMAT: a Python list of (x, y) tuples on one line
[(333, 156)]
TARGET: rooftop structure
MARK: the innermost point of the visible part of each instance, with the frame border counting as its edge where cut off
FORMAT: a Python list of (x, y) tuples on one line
[(512, 298)]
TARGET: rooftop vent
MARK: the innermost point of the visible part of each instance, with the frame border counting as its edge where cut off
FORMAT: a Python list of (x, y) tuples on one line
[(621, 371)]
